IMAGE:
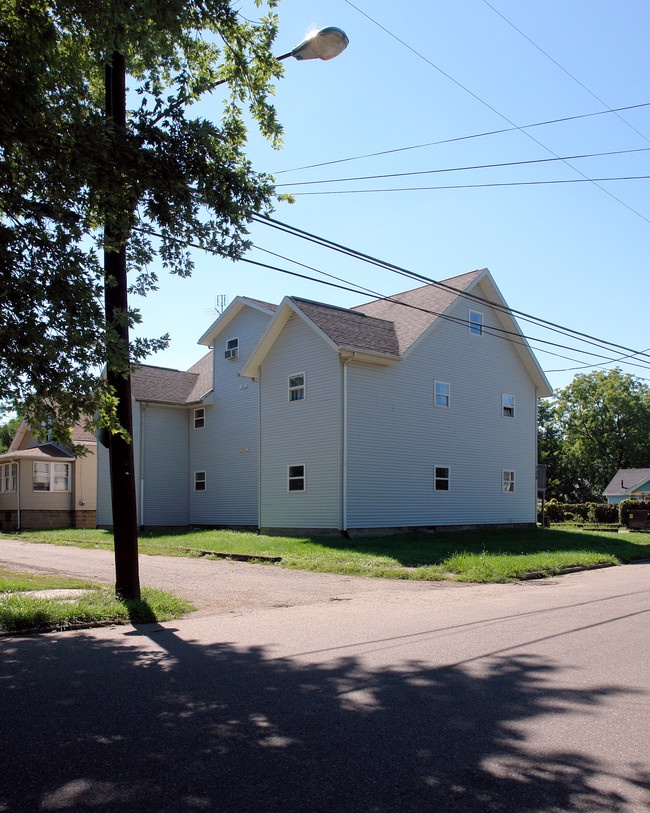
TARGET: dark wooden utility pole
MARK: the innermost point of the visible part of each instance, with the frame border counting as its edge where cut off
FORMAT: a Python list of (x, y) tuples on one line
[(125, 520)]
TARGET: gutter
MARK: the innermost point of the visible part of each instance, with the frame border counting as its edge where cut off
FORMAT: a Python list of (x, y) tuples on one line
[(344, 439)]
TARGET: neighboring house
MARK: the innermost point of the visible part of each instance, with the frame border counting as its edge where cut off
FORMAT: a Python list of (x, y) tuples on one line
[(418, 410), (628, 484), (45, 485)]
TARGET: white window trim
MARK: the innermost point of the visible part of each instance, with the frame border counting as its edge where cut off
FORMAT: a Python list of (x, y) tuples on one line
[(472, 323), (447, 478), (51, 489), (505, 406), (235, 342), (448, 395), (512, 480), (204, 481), (8, 472), (200, 417), (302, 477), (302, 387)]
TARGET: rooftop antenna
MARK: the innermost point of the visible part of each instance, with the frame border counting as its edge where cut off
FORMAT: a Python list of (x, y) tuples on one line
[(220, 303)]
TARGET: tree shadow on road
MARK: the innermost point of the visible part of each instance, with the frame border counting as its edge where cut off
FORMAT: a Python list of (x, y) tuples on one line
[(161, 724)]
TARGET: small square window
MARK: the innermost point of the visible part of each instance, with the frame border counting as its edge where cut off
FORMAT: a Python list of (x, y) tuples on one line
[(199, 481), (199, 418), (508, 406), (297, 387), (296, 478), (476, 323), (508, 481), (441, 393), (441, 478)]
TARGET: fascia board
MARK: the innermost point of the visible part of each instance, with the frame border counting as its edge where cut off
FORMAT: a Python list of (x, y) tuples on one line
[(286, 309), (523, 349), (18, 438), (222, 322), (351, 354)]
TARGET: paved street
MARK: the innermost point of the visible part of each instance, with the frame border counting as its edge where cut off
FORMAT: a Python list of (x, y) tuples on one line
[(293, 691)]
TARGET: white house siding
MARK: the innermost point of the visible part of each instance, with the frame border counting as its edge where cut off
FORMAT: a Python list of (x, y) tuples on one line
[(163, 431), (227, 448), (396, 434), (306, 432)]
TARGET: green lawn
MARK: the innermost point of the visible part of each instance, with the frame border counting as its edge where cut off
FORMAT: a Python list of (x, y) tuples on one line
[(25, 606), (498, 555)]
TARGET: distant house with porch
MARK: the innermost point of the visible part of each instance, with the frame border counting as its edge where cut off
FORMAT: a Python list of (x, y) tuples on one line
[(628, 484), (46, 485)]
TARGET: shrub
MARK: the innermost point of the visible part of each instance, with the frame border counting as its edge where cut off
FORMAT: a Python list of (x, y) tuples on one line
[(626, 506), (595, 512)]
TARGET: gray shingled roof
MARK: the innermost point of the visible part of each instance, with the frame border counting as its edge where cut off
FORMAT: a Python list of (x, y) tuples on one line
[(166, 386), (46, 451), (410, 322), (623, 480), (349, 329)]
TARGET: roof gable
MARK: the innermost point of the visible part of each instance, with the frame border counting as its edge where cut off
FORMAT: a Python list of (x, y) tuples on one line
[(626, 481), (235, 307), (164, 385)]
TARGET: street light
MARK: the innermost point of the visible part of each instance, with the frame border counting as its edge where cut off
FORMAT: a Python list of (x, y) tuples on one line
[(324, 44)]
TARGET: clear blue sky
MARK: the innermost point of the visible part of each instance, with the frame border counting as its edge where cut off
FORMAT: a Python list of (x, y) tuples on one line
[(569, 253)]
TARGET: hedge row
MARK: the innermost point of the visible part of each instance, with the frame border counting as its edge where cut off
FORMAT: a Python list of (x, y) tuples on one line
[(587, 511), (626, 506)]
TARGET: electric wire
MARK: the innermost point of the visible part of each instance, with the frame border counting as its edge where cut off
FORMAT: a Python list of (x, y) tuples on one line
[(493, 185), (595, 181), (608, 109), (346, 250), (514, 337), (466, 168), (460, 138)]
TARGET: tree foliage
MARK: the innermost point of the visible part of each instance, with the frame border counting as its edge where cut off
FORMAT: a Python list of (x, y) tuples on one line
[(65, 172), (598, 424), (7, 432)]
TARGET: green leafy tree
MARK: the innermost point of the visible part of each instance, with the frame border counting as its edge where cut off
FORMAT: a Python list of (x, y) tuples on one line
[(7, 432), (604, 422), (80, 176)]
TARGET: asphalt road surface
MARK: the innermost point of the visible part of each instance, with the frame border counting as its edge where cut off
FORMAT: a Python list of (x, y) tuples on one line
[(293, 691)]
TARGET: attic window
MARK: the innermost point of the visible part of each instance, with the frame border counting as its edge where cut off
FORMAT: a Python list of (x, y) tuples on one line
[(297, 387), (199, 418), (232, 349), (476, 323)]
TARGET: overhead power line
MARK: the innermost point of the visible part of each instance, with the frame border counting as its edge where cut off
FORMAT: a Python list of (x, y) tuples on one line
[(478, 186), (467, 168), (608, 109), (341, 284), (322, 241), (595, 181), (461, 138)]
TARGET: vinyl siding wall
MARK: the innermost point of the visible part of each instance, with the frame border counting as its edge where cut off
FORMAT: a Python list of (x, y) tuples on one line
[(163, 460), (396, 435), (227, 448), (306, 432)]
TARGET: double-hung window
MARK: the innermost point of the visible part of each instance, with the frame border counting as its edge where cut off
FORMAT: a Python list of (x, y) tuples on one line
[(232, 349), (199, 481), (441, 478), (476, 323), (508, 406), (441, 393), (51, 477), (508, 481), (8, 476), (297, 387), (199, 418), (296, 478)]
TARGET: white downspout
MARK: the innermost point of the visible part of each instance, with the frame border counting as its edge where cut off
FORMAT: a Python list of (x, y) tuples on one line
[(259, 451)]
